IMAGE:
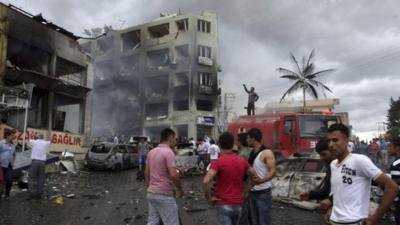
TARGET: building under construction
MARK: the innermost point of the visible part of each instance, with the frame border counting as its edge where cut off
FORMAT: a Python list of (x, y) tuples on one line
[(156, 75), (48, 62)]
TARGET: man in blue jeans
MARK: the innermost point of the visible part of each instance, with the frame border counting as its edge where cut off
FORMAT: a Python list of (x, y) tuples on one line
[(263, 162), (160, 177), (229, 169)]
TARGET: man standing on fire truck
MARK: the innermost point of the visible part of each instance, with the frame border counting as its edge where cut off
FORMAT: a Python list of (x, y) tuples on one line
[(253, 97)]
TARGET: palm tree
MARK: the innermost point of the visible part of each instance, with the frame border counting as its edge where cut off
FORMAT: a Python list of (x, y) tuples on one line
[(305, 78)]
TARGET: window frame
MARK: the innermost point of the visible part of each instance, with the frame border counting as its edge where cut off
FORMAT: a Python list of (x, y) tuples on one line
[(203, 26), (204, 51)]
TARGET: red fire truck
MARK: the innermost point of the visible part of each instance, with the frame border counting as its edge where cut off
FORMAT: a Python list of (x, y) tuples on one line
[(287, 133)]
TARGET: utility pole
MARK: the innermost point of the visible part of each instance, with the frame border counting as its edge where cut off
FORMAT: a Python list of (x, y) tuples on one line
[(228, 99)]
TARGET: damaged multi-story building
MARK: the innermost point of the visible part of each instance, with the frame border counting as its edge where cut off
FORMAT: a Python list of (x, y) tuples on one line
[(47, 60), (156, 75)]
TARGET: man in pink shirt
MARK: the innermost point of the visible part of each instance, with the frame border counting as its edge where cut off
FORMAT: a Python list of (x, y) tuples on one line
[(160, 177)]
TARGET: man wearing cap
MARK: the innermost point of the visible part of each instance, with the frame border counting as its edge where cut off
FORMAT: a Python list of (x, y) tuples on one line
[(7, 159), (37, 168)]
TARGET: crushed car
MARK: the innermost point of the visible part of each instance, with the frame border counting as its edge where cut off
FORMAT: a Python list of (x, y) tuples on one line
[(302, 174), (107, 155)]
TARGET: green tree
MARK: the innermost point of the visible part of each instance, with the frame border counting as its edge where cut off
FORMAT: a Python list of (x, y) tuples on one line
[(393, 118), (305, 78)]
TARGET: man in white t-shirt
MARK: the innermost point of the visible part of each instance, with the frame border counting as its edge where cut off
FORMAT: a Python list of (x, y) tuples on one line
[(213, 150), (351, 176), (37, 167)]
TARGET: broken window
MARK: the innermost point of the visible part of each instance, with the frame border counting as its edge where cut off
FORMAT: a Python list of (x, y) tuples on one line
[(183, 24), (129, 65), (157, 87), (204, 51), (181, 105), (205, 79), (158, 58), (205, 83), (181, 88), (26, 57), (130, 40), (159, 30), (158, 110), (204, 105), (67, 116), (70, 72), (203, 26), (182, 54), (105, 44)]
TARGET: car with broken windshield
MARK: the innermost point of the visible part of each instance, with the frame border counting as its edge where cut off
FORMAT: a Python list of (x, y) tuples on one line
[(107, 155)]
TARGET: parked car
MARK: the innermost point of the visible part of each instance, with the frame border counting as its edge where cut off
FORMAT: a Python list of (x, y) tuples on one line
[(106, 155)]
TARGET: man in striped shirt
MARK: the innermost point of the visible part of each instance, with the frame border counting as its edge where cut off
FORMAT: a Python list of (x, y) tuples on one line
[(394, 150)]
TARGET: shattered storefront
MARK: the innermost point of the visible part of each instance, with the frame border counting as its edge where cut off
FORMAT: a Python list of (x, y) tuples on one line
[(48, 60)]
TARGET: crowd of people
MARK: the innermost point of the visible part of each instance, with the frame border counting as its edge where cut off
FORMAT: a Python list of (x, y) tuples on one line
[(242, 172), (377, 150)]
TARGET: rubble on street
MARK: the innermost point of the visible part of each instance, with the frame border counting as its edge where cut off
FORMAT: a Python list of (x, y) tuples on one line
[(106, 197)]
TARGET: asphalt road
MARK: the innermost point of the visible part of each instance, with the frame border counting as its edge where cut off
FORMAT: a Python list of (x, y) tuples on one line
[(109, 198)]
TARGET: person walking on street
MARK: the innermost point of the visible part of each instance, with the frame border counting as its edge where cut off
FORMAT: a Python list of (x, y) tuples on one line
[(394, 150), (37, 174), (253, 97), (263, 161), (160, 177), (143, 148), (202, 154), (351, 176), (229, 171), (7, 159), (213, 151), (323, 191)]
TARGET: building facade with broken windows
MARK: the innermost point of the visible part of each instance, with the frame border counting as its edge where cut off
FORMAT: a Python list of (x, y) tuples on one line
[(155, 75), (47, 60)]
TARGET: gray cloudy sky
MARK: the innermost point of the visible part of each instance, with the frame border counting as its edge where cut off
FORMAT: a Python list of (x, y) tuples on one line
[(359, 38)]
